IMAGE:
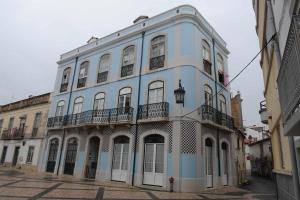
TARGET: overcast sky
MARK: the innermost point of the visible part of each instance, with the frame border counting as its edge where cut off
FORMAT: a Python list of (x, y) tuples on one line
[(34, 33)]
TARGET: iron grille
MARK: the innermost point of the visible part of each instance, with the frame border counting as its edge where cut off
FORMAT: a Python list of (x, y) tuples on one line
[(288, 77), (81, 82), (153, 111), (157, 62), (63, 87), (217, 117), (102, 77), (13, 133), (55, 122), (127, 70)]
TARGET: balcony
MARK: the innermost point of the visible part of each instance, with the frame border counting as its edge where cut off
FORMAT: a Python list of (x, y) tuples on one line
[(215, 118), (157, 62), (153, 112), (288, 80), (81, 82), (13, 134), (63, 87), (127, 70), (102, 77), (264, 114), (93, 118)]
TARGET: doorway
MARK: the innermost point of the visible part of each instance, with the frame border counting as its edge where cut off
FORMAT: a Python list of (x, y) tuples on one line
[(52, 155), (224, 148), (3, 155), (92, 158), (71, 156), (209, 162), (16, 155), (120, 159)]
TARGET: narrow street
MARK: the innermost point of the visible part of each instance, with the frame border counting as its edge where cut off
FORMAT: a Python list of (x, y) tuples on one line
[(15, 184)]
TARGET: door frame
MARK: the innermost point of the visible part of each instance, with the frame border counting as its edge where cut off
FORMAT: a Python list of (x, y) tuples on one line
[(111, 154), (98, 170), (47, 153), (62, 166), (142, 153), (228, 160), (214, 161)]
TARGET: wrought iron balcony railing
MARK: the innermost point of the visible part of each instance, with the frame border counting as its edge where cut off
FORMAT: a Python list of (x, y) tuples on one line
[(127, 70), (157, 62), (154, 111), (81, 82), (102, 77), (288, 78), (13, 133), (211, 114), (93, 117), (63, 87)]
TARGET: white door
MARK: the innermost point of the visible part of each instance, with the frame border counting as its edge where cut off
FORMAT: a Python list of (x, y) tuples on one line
[(225, 165), (154, 164), (209, 166), (120, 162)]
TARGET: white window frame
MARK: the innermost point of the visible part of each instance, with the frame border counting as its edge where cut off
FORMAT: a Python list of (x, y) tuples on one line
[(156, 87), (206, 51), (208, 96), (99, 101), (124, 93), (128, 56), (158, 43), (78, 104), (60, 108)]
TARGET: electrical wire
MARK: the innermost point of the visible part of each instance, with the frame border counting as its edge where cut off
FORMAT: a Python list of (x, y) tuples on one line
[(241, 71)]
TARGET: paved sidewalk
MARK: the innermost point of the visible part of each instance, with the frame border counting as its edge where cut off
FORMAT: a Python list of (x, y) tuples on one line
[(16, 184)]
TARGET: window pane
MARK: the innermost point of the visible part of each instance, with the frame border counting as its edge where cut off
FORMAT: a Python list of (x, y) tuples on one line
[(125, 157), (117, 156), (148, 162), (104, 63), (159, 160)]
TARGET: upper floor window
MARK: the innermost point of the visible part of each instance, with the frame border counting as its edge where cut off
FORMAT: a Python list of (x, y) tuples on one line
[(78, 102), (104, 66), (128, 61), (22, 122), (222, 103), (157, 54), (65, 79), (208, 95), (99, 101), (124, 97), (220, 65), (11, 123), (60, 108), (36, 123), (82, 76), (156, 92), (1, 125), (206, 57)]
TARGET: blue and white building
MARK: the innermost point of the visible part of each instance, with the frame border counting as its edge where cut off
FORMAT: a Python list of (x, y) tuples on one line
[(113, 114)]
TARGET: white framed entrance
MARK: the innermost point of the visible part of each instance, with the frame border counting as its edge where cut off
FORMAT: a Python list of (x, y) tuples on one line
[(120, 158), (225, 162), (154, 158), (209, 164)]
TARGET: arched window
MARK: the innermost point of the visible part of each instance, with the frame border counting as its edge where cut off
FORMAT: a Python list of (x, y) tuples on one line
[(82, 76), (157, 54), (206, 56), (124, 97), (104, 65), (222, 103), (128, 61), (65, 79), (78, 102), (220, 65), (156, 92), (208, 95), (99, 101), (60, 108)]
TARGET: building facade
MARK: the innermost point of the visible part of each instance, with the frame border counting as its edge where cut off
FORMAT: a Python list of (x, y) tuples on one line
[(22, 128), (238, 138), (273, 23), (113, 115)]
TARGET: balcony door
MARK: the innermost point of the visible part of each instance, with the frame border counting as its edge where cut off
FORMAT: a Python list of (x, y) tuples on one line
[(52, 155), (120, 159), (224, 150), (209, 162), (124, 101), (154, 160), (156, 92)]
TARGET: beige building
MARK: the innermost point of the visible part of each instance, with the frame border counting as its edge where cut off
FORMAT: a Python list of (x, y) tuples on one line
[(272, 24), (22, 128), (238, 139)]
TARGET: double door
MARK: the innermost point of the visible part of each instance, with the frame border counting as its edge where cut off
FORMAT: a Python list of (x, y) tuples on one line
[(120, 162)]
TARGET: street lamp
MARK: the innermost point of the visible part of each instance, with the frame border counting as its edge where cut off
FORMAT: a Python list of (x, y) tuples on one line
[(179, 94)]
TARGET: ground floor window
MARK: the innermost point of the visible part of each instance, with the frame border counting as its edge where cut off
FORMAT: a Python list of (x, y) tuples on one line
[(30, 154)]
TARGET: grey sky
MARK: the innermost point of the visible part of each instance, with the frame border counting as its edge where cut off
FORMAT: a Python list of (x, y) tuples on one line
[(34, 33)]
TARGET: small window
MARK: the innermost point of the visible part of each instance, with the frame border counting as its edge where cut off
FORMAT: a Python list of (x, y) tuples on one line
[(60, 108), (65, 80), (206, 57), (125, 97), (30, 154), (78, 102), (220, 65), (208, 95), (128, 61), (222, 103), (82, 76), (157, 55), (156, 92), (99, 101), (104, 66)]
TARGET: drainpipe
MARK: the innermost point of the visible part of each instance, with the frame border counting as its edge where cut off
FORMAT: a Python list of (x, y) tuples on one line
[(137, 111), (216, 94), (68, 108)]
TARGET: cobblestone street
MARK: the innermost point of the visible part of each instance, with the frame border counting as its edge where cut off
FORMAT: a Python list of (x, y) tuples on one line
[(15, 184)]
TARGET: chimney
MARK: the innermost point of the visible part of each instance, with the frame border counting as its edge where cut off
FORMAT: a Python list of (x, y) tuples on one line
[(140, 19)]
